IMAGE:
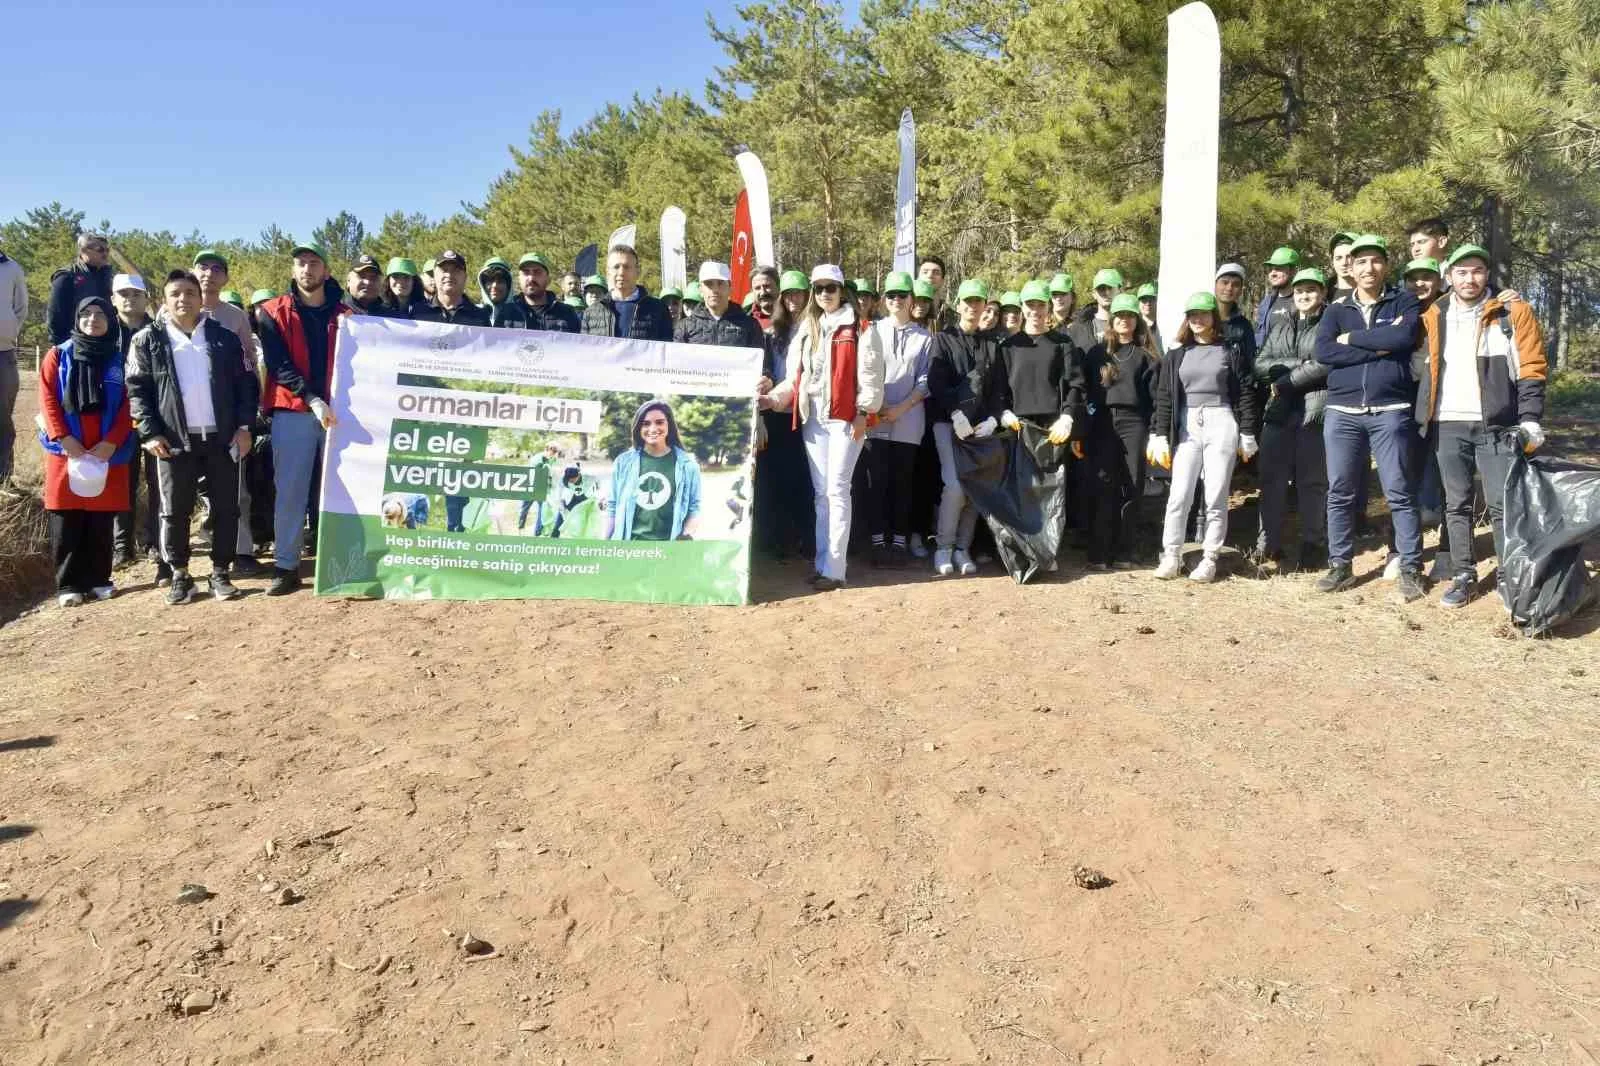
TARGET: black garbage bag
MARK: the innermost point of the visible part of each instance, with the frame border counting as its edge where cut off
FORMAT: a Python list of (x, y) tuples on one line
[(1017, 482), (1552, 507)]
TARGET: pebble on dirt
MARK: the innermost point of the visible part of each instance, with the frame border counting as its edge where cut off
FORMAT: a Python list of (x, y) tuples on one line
[(287, 896), (198, 1002), (1090, 878), (472, 945), (193, 893)]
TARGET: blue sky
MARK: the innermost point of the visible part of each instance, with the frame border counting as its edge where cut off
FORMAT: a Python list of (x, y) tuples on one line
[(224, 116)]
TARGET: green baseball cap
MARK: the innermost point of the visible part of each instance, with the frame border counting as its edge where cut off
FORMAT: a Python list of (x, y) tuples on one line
[(532, 258), (794, 281), (971, 288), (1109, 276), (1367, 241), (897, 281), (1125, 303), (401, 265), (924, 290), (1311, 274), (1010, 298), (1468, 251), (671, 292), (1342, 237), (427, 268), (1284, 257), (1427, 264), (314, 247), (594, 281), (261, 296), (1147, 291), (495, 263), (211, 254), (861, 285), (691, 292), (1035, 290), (1201, 301), (231, 296), (1062, 282)]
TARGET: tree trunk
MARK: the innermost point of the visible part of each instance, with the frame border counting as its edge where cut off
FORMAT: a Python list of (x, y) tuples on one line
[(1556, 293)]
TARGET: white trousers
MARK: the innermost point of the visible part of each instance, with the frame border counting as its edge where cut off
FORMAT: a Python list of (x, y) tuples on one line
[(832, 455), (1209, 442)]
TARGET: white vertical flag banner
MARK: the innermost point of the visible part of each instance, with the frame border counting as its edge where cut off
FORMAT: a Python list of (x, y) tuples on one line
[(905, 204), (1189, 162), (674, 253), (755, 184), (628, 235)]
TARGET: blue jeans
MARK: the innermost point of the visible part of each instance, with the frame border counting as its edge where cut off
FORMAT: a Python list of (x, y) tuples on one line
[(538, 515), (296, 441), (455, 508), (1389, 437)]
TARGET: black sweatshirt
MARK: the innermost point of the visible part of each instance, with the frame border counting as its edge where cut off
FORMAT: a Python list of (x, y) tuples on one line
[(1135, 385), (955, 375), (1031, 377)]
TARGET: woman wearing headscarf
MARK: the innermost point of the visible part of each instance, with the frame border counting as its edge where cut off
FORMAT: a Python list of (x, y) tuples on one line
[(835, 387), (88, 441), (1206, 415)]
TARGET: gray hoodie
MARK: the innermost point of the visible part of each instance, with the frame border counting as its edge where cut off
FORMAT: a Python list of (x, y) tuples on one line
[(13, 302)]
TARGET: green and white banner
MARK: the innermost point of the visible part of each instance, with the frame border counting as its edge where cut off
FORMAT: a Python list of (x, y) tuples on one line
[(474, 463)]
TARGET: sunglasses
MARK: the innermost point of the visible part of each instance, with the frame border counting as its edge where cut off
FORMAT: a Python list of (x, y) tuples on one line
[(896, 295), (823, 290)]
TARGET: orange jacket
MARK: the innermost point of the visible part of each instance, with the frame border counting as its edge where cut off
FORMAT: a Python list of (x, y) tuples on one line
[(1512, 387)]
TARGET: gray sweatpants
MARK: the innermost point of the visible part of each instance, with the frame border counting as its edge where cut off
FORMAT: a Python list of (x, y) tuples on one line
[(957, 517)]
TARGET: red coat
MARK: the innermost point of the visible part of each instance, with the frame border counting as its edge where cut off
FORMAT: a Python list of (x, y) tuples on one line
[(57, 496)]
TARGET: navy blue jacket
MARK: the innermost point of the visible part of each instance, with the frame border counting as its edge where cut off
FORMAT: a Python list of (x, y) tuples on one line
[(1271, 306), (1374, 369)]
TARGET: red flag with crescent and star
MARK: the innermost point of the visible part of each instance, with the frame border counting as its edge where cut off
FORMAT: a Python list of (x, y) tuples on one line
[(743, 258)]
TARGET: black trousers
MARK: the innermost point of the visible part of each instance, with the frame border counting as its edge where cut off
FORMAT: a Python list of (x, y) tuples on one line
[(1133, 432), (179, 480), (783, 517), (892, 466), (1107, 492), (81, 542), (1464, 449)]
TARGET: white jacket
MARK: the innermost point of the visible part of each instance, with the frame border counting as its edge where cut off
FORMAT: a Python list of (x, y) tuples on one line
[(816, 365)]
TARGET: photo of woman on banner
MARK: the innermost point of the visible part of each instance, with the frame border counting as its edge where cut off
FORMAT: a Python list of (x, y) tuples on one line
[(655, 484)]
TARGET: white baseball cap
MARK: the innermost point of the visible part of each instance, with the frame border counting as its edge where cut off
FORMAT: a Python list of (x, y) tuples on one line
[(127, 281), (711, 270), (1232, 268), (827, 272)]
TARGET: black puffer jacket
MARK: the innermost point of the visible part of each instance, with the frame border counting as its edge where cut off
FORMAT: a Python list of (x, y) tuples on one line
[(156, 401), (69, 288), (735, 329), (651, 321), (1294, 384), (465, 313), (552, 316), (1241, 393)]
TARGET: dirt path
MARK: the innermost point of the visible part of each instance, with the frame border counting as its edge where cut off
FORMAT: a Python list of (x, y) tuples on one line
[(842, 827)]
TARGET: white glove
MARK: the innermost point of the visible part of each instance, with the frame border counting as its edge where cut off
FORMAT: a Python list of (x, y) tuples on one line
[(1159, 453), (1532, 436), (1061, 429), (985, 429), (322, 412), (1248, 447), (961, 424), (1009, 420)]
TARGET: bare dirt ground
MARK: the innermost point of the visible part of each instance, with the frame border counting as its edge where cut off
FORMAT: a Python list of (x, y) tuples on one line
[(835, 829)]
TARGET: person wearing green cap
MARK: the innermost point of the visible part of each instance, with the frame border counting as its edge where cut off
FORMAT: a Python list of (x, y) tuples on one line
[(426, 281), (402, 292), (1291, 427), (1147, 311), (296, 332), (1366, 340), (261, 296), (231, 296), (1207, 416), (866, 297), (1277, 300), (990, 322), (782, 513), (1482, 370), (672, 296), (691, 296), (961, 357), (893, 439), (923, 297), (594, 287), (1063, 300), (1010, 312), (1088, 326), (538, 306), (499, 297), (1422, 277), (1115, 409)]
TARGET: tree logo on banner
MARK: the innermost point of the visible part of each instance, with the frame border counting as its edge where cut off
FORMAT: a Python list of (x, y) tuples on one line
[(530, 353), (442, 344), (654, 491)]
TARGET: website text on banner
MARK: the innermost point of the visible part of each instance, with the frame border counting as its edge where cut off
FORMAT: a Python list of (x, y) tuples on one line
[(474, 463)]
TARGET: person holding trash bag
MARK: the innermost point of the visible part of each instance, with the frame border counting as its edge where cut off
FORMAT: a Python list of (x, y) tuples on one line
[(1482, 373), (1291, 430), (834, 388), (961, 356), (1206, 415), (1120, 376), (88, 440)]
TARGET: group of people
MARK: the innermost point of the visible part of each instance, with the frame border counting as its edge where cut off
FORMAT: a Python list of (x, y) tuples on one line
[(1426, 370)]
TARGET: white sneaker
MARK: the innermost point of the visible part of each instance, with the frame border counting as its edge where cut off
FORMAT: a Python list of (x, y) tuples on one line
[(1170, 566), (1391, 569), (70, 599), (942, 564), (1205, 572), (918, 549), (964, 563), (104, 592)]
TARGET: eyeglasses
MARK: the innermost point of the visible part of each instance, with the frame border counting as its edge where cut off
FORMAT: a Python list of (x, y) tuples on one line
[(824, 290), (896, 295)]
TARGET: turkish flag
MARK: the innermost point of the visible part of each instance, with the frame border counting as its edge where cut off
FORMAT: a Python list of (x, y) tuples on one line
[(743, 259)]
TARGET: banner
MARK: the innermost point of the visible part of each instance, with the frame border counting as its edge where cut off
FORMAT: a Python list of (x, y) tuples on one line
[(752, 219), (674, 262), (1189, 162), (628, 235), (588, 261), (905, 204), (742, 260), (475, 463)]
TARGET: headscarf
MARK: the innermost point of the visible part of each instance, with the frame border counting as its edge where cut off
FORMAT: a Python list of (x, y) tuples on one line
[(91, 357)]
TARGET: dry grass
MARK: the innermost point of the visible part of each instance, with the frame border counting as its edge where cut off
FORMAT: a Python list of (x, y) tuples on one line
[(25, 572)]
